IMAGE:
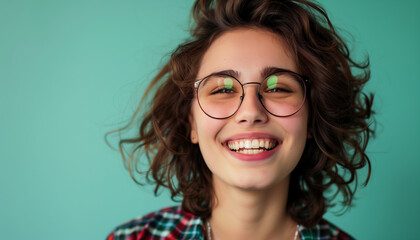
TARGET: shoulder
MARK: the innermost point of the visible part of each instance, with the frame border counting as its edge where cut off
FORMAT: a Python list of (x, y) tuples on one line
[(167, 223), (324, 230)]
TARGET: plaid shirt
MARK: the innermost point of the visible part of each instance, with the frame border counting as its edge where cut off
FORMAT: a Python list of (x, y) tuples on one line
[(175, 223)]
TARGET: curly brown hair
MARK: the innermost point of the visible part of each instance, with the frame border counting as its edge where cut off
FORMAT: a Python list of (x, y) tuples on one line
[(340, 113)]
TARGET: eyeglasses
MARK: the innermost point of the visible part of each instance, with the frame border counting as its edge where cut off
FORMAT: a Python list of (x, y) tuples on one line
[(282, 94)]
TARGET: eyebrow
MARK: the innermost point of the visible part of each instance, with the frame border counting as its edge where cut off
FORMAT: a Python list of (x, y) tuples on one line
[(229, 72), (267, 71)]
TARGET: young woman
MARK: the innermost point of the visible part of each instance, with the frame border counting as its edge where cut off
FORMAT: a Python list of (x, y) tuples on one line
[(252, 121)]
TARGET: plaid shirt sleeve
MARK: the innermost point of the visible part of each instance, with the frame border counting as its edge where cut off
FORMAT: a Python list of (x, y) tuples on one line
[(174, 223), (168, 223)]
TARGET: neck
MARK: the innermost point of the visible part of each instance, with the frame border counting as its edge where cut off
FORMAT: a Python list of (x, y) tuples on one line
[(251, 214)]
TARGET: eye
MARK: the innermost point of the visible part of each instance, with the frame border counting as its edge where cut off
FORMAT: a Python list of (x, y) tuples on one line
[(278, 84), (278, 89), (222, 85), (222, 90)]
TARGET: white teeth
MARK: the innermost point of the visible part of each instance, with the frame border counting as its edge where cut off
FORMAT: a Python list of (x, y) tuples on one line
[(255, 143), (251, 151), (251, 146)]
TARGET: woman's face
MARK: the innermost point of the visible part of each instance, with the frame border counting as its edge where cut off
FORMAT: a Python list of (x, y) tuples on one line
[(248, 52)]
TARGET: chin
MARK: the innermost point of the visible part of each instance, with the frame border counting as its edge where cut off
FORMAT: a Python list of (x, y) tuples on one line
[(254, 182)]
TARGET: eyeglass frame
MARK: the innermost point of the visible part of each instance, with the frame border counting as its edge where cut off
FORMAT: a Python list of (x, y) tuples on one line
[(304, 78)]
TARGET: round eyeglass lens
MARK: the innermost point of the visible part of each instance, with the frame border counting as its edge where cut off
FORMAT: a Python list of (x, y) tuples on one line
[(283, 94), (219, 96)]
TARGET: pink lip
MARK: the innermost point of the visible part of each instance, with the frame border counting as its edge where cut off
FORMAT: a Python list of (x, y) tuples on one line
[(252, 157)]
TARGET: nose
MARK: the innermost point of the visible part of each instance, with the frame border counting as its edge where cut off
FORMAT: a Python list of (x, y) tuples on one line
[(251, 111)]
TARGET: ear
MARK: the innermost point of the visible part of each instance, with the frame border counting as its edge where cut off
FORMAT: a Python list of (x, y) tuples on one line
[(193, 134)]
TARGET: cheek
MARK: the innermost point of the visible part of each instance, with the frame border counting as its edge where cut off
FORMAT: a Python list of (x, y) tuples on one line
[(208, 129), (205, 127), (296, 126)]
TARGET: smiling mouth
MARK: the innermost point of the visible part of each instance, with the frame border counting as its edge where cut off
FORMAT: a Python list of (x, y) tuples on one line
[(252, 146)]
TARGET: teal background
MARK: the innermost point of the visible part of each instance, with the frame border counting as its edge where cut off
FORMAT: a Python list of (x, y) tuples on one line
[(72, 70)]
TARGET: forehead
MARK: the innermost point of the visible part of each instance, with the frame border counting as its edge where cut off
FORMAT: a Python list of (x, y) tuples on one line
[(247, 50)]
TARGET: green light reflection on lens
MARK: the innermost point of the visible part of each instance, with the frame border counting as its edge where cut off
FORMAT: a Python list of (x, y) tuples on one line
[(272, 82), (228, 83)]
